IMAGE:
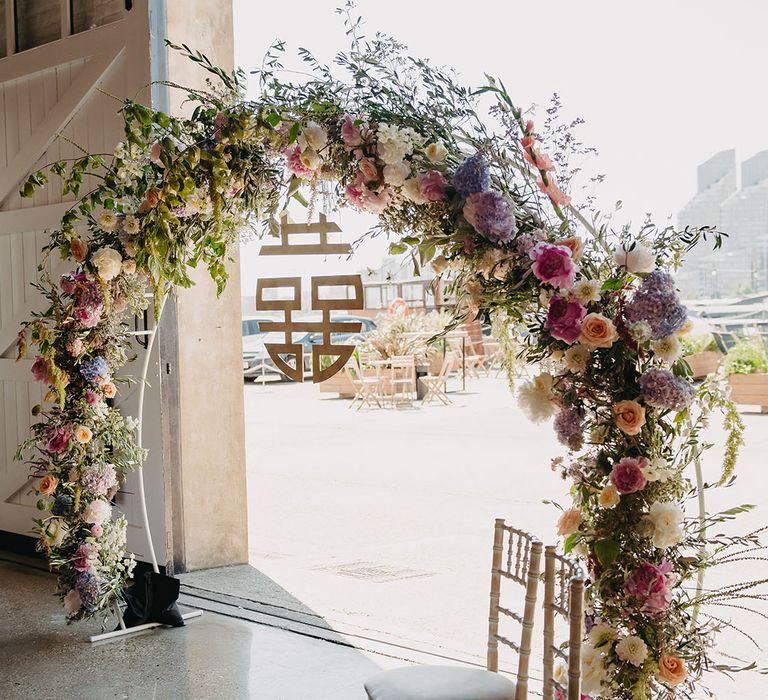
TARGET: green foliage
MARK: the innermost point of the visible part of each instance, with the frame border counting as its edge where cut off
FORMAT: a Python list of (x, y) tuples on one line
[(747, 356)]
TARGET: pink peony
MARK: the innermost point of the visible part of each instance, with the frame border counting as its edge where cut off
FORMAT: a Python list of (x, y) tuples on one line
[(82, 562), (355, 196), (58, 438), (432, 185), (294, 164), (553, 264), (376, 202), (91, 397), (627, 474), (40, 369), (88, 316), (564, 319), (350, 132), (651, 586)]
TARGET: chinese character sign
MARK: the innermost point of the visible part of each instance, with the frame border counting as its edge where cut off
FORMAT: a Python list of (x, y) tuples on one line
[(321, 335)]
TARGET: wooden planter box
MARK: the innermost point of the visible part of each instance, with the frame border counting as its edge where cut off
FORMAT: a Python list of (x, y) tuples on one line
[(750, 389), (704, 363), (339, 384)]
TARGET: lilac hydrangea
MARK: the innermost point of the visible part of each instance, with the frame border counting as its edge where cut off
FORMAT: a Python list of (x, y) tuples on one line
[(492, 215), (95, 368), (472, 176), (663, 389), (569, 426), (98, 478), (88, 588), (657, 303)]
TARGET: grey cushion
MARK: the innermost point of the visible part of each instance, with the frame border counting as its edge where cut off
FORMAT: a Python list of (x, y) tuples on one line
[(439, 683)]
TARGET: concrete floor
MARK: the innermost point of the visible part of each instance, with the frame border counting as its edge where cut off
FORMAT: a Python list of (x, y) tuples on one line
[(381, 520), (212, 658)]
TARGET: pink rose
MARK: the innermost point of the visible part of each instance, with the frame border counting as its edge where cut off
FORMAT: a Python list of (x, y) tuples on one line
[(40, 369), (553, 264), (432, 185), (58, 439), (627, 474), (368, 170), (650, 586), (81, 562), (350, 133), (564, 319)]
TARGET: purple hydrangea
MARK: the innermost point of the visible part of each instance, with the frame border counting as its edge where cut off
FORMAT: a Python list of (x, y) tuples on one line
[(95, 368), (492, 215), (98, 478), (569, 426), (88, 587), (663, 389), (472, 176), (656, 302)]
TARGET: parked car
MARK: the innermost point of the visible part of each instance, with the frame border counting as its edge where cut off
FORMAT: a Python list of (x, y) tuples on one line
[(251, 324)]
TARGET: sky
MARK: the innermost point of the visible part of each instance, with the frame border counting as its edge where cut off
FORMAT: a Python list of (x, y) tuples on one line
[(661, 85)]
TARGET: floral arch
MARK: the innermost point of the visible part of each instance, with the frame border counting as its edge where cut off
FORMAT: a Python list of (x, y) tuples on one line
[(487, 208)]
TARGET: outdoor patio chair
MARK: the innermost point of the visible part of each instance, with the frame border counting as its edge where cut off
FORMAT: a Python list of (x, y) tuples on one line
[(367, 389), (521, 565), (402, 378), (434, 384), (564, 596)]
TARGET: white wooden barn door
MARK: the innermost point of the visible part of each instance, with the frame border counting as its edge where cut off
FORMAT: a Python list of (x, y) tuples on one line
[(60, 88)]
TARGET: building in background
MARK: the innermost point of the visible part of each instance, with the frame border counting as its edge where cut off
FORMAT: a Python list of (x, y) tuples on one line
[(741, 266)]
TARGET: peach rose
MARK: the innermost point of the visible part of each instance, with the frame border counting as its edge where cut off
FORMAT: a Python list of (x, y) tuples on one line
[(152, 198), (83, 434), (575, 244), (569, 522), (629, 416), (110, 390), (597, 331), (672, 670), (609, 497), (368, 169), (78, 249), (47, 485)]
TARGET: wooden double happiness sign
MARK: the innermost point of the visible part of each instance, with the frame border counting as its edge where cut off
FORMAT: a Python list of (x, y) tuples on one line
[(283, 353)]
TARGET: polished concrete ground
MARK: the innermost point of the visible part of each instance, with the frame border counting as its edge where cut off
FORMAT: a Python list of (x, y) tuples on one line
[(381, 521), (213, 658)]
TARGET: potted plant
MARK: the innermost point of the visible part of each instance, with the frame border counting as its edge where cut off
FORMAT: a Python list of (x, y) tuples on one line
[(746, 365), (702, 354)]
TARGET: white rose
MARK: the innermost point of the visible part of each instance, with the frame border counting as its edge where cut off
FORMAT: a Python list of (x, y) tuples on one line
[(632, 649), (639, 259), (316, 136), (667, 521), (311, 159), (396, 173), (108, 262), (436, 152), (412, 191)]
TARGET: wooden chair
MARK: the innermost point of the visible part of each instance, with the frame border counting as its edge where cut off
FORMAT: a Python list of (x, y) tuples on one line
[(521, 565), (564, 596), (367, 389), (402, 378), (434, 384)]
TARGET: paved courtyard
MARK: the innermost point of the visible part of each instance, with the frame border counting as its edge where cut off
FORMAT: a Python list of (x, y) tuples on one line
[(381, 520)]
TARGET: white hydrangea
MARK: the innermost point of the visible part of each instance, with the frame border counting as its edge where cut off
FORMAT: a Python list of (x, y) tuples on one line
[(394, 144), (667, 520), (108, 262)]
